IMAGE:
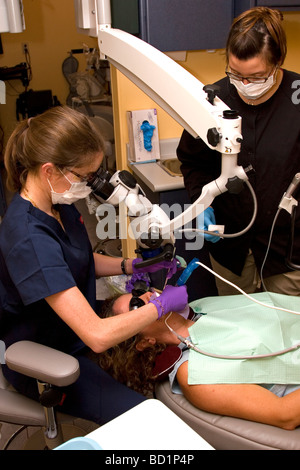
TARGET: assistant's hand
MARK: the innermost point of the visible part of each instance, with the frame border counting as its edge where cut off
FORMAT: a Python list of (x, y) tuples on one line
[(170, 265), (206, 219), (171, 299)]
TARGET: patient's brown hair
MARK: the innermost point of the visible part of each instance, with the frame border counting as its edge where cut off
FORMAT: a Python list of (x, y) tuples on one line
[(125, 363)]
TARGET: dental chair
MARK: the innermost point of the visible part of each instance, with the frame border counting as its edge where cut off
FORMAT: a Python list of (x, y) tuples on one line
[(226, 433), (52, 369)]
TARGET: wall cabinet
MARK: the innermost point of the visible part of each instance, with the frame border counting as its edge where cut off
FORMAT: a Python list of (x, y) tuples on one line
[(180, 25), (176, 25), (278, 3), (284, 5)]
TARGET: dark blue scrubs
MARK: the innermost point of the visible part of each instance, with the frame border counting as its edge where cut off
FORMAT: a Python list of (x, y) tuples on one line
[(37, 259)]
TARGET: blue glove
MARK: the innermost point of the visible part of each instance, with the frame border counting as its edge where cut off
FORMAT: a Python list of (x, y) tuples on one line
[(170, 265), (206, 219), (148, 130), (172, 299)]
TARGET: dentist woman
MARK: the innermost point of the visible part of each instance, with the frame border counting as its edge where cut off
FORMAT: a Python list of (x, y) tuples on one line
[(48, 270)]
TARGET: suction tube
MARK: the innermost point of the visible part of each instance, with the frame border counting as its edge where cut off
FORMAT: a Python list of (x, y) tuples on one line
[(188, 271)]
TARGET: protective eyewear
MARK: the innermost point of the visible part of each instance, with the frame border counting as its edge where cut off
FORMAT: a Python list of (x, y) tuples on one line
[(240, 78), (88, 178), (139, 288)]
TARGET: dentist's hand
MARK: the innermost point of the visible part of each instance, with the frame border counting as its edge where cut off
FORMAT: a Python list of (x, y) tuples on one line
[(171, 299), (170, 265), (206, 219)]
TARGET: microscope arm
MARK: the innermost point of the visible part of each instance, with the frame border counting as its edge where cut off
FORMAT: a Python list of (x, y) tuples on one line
[(195, 107), (177, 91), (231, 178), (149, 224)]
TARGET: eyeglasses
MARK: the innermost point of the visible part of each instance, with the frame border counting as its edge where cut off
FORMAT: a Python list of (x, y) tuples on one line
[(139, 288), (235, 76), (136, 302), (88, 178)]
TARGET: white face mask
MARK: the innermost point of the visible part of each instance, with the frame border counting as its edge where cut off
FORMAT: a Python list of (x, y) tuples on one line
[(74, 193), (253, 91)]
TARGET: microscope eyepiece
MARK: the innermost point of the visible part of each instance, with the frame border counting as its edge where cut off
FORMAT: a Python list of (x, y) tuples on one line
[(100, 184)]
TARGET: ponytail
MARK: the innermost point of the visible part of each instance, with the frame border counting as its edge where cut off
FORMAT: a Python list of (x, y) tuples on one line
[(60, 135), (15, 164)]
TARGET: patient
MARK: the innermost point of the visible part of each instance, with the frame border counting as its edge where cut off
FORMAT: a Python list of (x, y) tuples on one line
[(133, 362)]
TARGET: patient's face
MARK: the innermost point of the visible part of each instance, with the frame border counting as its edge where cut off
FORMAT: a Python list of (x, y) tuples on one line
[(121, 305), (155, 329)]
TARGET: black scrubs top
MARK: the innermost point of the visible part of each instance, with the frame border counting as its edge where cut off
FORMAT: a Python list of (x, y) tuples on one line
[(271, 145), (37, 259)]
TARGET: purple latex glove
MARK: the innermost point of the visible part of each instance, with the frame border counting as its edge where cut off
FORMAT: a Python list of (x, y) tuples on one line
[(170, 265), (136, 277), (171, 299)]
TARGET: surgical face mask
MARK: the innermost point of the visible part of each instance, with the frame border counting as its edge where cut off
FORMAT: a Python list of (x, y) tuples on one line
[(253, 91), (74, 193)]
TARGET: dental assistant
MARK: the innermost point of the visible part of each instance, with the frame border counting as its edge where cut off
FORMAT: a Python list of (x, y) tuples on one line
[(48, 270), (265, 96)]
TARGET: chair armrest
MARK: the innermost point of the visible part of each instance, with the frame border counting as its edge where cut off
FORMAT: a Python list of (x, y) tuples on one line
[(42, 363)]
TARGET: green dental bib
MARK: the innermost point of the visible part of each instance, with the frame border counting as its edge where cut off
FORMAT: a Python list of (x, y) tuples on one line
[(237, 326)]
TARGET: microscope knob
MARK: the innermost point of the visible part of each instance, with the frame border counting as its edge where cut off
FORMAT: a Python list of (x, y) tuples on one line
[(234, 185), (213, 136)]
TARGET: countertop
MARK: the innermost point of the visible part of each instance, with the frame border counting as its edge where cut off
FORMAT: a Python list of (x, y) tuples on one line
[(153, 175)]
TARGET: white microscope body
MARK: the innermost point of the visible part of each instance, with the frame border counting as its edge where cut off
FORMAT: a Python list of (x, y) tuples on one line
[(197, 108)]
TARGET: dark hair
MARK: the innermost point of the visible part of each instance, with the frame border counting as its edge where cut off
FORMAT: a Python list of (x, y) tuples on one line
[(258, 31), (60, 135)]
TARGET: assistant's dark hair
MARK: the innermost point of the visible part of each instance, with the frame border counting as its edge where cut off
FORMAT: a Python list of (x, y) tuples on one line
[(258, 31)]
